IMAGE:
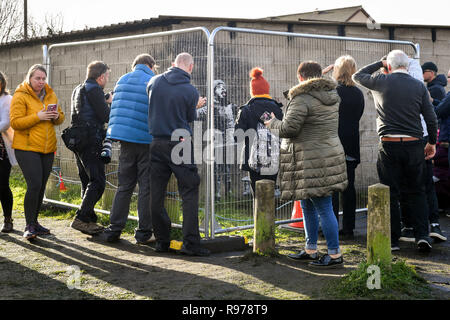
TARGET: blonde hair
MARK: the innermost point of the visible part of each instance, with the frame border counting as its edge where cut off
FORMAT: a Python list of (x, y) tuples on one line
[(33, 69), (344, 68)]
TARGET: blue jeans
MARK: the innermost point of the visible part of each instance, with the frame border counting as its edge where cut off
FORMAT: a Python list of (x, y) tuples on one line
[(313, 208)]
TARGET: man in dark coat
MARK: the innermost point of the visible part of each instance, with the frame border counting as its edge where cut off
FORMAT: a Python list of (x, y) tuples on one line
[(399, 101), (172, 105)]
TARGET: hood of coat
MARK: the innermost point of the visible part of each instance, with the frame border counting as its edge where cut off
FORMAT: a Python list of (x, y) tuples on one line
[(25, 88), (322, 89), (440, 80), (177, 76)]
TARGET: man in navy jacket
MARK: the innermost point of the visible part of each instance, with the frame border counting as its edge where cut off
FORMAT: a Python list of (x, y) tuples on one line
[(90, 109), (128, 123), (172, 105)]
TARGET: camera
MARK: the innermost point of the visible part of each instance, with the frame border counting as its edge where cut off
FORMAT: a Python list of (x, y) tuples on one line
[(106, 153), (107, 95)]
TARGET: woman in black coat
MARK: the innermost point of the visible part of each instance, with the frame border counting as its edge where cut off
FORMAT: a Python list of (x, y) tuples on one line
[(250, 114), (351, 110)]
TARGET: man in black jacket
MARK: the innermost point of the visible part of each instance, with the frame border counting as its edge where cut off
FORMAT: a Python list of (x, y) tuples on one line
[(90, 110), (435, 83), (399, 101), (172, 105)]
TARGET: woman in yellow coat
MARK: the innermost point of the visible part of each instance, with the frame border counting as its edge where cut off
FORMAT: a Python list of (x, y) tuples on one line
[(33, 119)]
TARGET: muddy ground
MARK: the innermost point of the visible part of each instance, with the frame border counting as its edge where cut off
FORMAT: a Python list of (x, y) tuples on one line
[(48, 268)]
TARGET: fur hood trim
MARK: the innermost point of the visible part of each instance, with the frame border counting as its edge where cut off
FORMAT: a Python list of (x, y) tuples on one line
[(314, 84)]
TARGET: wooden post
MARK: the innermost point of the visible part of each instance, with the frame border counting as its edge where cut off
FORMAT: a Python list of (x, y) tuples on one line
[(52, 188), (264, 216), (108, 198), (379, 225)]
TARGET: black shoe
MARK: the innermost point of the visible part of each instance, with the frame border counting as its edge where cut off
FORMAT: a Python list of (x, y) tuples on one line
[(395, 246), (407, 235), (30, 232), (41, 230), (110, 236), (346, 235), (8, 225), (327, 261), (162, 246), (436, 233), (196, 251), (424, 245), (302, 255), (150, 240)]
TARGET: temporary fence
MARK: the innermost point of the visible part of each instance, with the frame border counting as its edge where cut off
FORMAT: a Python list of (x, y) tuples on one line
[(224, 58), (233, 52), (66, 64)]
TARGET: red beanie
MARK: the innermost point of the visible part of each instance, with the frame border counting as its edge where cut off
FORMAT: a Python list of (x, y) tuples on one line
[(258, 85)]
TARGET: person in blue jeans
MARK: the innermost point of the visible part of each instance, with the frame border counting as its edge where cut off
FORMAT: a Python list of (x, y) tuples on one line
[(312, 209), (312, 159)]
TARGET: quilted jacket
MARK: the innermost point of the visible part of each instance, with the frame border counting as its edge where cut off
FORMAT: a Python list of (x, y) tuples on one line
[(30, 133), (312, 159)]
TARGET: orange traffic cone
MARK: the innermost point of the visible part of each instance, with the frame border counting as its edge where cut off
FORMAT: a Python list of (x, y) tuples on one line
[(297, 213), (62, 187)]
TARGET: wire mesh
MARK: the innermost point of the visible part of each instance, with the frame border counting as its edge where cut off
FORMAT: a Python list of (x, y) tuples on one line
[(67, 67), (236, 52), (227, 55)]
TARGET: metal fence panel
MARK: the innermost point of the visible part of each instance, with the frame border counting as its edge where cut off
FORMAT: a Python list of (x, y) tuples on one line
[(67, 64), (233, 53), (226, 56)]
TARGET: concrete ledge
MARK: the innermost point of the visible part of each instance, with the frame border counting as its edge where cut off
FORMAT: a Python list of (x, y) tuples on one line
[(225, 244)]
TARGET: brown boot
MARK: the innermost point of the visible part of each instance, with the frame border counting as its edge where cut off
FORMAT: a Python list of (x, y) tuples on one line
[(8, 225)]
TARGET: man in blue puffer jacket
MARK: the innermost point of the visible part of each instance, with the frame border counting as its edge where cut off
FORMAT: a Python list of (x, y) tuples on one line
[(128, 123)]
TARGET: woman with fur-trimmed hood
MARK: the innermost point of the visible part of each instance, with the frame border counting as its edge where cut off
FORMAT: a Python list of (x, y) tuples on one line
[(312, 164)]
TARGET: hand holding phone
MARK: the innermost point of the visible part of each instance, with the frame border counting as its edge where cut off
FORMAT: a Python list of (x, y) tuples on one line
[(265, 117), (52, 107)]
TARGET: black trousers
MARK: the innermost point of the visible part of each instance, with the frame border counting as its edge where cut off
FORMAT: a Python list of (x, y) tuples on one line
[(134, 168), (348, 200), (430, 191), (93, 180), (6, 196), (161, 168), (401, 166), (36, 169), (255, 176)]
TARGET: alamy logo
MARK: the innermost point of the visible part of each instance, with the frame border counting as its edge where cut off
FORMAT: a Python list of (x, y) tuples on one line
[(227, 149), (374, 280), (74, 280)]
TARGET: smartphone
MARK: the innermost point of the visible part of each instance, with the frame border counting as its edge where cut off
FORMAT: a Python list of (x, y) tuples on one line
[(52, 107), (265, 116)]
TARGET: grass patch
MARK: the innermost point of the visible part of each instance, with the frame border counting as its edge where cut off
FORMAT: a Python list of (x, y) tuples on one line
[(72, 195), (400, 282)]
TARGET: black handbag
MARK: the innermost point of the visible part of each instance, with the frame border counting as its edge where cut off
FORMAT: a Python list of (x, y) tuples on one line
[(75, 137)]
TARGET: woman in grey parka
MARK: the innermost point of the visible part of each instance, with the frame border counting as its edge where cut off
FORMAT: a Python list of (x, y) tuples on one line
[(312, 159)]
